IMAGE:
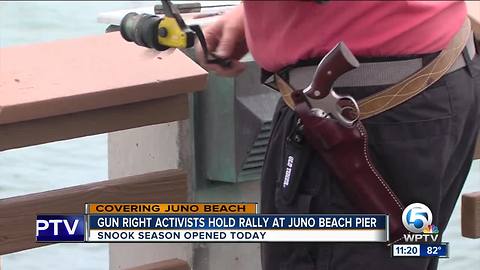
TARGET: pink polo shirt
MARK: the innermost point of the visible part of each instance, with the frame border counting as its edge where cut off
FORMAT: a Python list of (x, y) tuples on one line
[(282, 32)]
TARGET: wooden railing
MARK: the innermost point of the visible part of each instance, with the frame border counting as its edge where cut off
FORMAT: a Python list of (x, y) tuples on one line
[(73, 88), (18, 214)]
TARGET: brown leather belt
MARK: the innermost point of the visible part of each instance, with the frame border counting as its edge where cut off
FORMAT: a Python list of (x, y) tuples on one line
[(448, 60)]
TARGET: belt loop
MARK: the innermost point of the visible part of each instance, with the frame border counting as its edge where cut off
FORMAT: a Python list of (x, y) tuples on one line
[(285, 73), (468, 61), (426, 59), (477, 43)]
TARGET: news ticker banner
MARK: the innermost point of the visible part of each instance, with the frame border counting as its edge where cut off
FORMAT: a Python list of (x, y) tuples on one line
[(421, 250), (236, 228), (171, 208), (207, 222)]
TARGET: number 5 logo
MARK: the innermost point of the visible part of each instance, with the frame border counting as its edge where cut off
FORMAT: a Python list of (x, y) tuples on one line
[(416, 217)]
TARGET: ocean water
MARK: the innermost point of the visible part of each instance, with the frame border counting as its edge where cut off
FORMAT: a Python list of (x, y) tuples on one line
[(78, 161)]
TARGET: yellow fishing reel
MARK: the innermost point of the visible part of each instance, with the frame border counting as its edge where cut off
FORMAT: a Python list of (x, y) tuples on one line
[(154, 32), (163, 33)]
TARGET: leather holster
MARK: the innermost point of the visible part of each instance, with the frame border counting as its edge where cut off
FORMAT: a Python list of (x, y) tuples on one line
[(345, 150)]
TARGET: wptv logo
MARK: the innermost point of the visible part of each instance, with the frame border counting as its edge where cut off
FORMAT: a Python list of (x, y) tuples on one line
[(60, 228), (417, 218)]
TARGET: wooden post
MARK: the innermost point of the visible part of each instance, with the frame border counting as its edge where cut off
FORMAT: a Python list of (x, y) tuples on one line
[(137, 151), (471, 215)]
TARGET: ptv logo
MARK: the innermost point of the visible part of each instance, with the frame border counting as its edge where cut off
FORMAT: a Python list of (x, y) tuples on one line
[(60, 228)]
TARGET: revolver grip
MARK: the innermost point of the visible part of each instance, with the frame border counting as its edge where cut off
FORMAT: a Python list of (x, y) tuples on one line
[(337, 62)]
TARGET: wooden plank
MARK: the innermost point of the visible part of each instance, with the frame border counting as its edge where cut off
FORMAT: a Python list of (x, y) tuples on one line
[(92, 122), (471, 215), (62, 77), (174, 264), (18, 214)]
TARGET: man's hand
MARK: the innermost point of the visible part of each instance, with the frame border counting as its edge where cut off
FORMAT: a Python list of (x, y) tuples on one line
[(226, 38)]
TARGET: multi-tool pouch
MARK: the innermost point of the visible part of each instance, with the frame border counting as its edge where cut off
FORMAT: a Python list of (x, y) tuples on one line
[(295, 158)]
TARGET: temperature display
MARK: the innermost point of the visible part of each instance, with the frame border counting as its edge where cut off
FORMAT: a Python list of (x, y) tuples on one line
[(434, 250), (420, 250)]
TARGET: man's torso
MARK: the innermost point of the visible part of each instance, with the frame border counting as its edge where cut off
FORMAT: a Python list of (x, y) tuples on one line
[(284, 32)]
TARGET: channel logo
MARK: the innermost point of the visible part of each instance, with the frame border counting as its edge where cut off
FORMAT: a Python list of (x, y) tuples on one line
[(417, 218), (60, 228), (430, 229)]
